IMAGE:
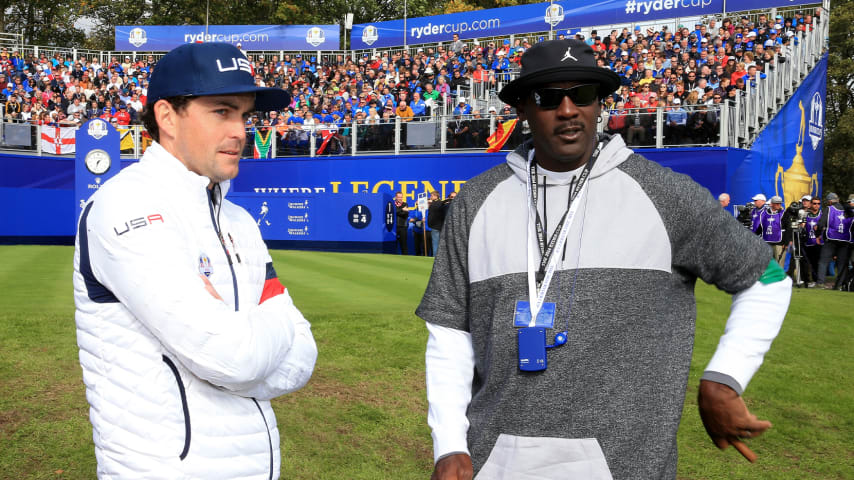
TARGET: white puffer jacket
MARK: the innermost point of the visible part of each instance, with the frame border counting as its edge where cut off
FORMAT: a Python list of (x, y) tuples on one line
[(179, 382)]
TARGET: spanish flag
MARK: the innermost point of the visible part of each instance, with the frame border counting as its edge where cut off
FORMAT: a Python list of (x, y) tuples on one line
[(145, 141), (499, 138)]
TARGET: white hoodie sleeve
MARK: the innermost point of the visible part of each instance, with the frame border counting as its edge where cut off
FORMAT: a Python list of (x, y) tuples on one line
[(755, 320), (450, 371)]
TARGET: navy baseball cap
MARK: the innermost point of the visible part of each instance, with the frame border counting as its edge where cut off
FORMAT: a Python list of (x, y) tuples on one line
[(203, 69)]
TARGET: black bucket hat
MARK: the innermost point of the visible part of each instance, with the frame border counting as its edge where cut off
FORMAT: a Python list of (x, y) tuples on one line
[(559, 61)]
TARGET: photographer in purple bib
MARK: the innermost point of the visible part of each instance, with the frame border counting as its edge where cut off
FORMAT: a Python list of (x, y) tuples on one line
[(775, 228), (561, 305), (834, 232)]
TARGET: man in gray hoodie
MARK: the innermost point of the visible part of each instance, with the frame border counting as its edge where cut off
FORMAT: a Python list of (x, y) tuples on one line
[(561, 304)]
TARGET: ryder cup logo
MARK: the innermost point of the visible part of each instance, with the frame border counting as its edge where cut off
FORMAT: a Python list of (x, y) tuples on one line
[(554, 14), (816, 120), (369, 35), (137, 37), (315, 36), (97, 129), (205, 265)]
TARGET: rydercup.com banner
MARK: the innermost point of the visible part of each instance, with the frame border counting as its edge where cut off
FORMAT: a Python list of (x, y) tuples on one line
[(154, 38), (524, 19)]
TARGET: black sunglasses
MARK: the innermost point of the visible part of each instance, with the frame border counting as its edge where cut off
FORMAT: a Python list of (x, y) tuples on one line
[(551, 98)]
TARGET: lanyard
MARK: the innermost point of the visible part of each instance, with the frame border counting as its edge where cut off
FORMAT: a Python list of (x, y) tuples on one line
[(542, 277)]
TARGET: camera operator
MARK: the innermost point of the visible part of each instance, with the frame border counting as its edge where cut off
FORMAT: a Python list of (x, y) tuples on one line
[(744, 214), (812, 247), (748, 214), (799, 268), (775, 228), (834, 229)]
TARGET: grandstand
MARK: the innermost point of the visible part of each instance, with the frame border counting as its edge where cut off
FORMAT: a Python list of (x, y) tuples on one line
[(725, 115)]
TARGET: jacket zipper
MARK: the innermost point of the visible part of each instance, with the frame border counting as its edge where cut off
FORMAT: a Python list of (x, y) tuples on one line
[(215, 220)]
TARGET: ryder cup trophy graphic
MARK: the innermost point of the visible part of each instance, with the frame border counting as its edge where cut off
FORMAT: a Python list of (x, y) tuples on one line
[(796, 181)]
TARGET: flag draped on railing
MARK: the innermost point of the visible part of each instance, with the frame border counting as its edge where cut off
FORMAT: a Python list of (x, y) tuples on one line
[(502, 133), (145, 141), (326, 135), (126, 142), (58, 140), (263, 141)]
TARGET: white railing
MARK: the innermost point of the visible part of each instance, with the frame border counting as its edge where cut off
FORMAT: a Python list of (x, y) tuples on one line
[(425, 134), (698, 125)]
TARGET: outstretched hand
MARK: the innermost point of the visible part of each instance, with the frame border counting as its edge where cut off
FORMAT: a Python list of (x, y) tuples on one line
[(453, 467), (727, 419)]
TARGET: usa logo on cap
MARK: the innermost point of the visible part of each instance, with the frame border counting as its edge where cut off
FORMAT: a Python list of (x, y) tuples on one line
[(204, 69)]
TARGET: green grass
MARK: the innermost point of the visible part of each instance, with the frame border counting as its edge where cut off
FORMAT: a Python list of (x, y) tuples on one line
[(363, 415)]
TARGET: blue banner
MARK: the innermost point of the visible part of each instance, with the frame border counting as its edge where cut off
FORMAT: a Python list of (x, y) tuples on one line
[(37, 213), (162, 38), (562, 15), (353, 175), (313, 203), (787, 157)]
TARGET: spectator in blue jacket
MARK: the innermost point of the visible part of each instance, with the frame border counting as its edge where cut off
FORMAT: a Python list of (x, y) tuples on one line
[(462, 107), (677, 119), (419, 108)]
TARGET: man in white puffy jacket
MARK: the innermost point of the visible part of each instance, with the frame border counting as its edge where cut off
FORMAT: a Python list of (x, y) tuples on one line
[(185, 332)]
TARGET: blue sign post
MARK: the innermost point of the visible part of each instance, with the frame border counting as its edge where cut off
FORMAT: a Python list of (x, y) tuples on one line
[(97, 159)]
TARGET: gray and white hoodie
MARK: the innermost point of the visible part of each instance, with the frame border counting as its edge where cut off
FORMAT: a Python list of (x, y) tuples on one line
[(624, 291)]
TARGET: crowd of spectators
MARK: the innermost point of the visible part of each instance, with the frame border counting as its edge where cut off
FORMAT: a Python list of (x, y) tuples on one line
[(685, 72), (62, 91)]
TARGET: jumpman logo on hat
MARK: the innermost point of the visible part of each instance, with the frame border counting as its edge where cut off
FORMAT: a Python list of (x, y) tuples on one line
[(568, 54)]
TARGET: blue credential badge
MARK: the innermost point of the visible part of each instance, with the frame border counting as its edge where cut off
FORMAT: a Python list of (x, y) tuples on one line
[(532, 349), (545, 318)]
